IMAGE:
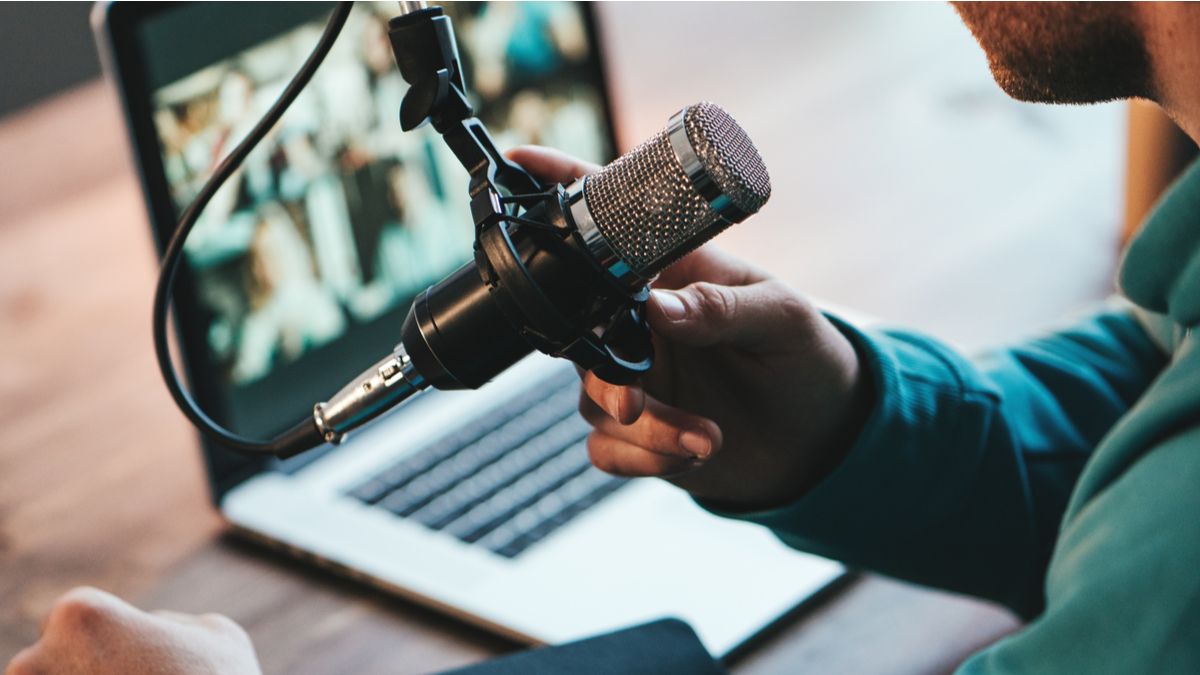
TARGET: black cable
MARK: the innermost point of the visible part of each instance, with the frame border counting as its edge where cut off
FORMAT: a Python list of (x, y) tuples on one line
[(304, 434)]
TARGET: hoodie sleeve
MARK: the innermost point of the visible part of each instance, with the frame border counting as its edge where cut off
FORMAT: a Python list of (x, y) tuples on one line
[(961, 475)]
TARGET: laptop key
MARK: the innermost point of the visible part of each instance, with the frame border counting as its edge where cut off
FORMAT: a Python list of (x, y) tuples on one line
[(607, 485), (501, 473), (371, 491), (442, 477), (547, 517), (399, 474), (508, 540), (492, 513)]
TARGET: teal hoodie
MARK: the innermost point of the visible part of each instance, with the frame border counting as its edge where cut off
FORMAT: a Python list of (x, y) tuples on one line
[(1059, 477)]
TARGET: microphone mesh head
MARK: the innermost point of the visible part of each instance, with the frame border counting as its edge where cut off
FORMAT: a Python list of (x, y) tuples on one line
[(652, 213)]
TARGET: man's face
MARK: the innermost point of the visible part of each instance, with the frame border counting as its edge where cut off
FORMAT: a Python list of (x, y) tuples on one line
[(1070, 52)]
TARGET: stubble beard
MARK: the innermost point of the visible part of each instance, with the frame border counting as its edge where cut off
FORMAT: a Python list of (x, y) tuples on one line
[(1062, 52)]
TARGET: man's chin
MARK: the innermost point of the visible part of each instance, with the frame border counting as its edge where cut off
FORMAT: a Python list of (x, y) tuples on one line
[(1034, 90), (1061, 52)]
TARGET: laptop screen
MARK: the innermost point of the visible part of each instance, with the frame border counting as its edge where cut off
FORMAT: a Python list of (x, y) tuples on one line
[(304, 264)]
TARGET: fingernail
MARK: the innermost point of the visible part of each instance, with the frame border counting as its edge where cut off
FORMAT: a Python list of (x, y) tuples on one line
[(695, 444), (670, 304), (612, 404), (639, 398)]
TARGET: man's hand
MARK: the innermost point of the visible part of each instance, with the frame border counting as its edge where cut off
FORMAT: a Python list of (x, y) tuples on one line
[(754, 396), (90, 631)]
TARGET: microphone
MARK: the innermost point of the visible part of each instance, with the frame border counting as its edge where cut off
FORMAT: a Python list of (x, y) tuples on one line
[(568, 275)]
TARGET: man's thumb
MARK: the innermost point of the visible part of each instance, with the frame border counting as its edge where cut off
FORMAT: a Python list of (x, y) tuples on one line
[(705, 314)]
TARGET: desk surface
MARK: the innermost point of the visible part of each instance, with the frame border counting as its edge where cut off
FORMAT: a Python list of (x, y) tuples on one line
[(103, 485)]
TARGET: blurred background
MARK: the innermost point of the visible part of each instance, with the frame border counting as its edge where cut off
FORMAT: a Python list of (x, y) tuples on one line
[(913, 189), (47, 48), (907, 186)]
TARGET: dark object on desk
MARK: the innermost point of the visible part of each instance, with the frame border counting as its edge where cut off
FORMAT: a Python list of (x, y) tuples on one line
[(665, 647)]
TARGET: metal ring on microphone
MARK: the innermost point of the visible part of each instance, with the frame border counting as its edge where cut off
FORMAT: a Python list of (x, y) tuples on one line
[(701, 179), (594, 239)]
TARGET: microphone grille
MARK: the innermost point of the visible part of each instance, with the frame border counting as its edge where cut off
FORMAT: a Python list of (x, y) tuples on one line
[(729, 156), (653, 209)]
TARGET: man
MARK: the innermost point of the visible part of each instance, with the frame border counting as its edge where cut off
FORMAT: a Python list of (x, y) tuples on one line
[(1060, 477)]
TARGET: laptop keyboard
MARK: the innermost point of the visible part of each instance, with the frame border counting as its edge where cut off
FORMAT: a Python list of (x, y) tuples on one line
[(505, 481)]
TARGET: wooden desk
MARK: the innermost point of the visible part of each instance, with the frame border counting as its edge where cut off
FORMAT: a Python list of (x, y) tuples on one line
[(102, 483)]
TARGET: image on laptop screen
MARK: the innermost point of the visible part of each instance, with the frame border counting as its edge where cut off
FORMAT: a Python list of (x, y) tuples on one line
[(307, 259)]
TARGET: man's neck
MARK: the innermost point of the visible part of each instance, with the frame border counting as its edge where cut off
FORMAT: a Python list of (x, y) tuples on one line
[(1172, 33)]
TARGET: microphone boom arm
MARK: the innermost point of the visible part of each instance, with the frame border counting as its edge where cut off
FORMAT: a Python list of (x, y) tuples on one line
[(426, 54)]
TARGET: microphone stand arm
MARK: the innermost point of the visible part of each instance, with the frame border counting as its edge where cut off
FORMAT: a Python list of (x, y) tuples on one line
[(426, 53)]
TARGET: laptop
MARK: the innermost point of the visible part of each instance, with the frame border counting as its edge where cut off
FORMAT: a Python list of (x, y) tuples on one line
[(480, 503)]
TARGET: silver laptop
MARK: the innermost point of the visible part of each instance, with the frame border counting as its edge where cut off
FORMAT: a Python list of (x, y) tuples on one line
[(481, 503)]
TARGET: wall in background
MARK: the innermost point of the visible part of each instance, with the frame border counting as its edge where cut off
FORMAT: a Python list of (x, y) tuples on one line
[(45, 47), (907, 185)]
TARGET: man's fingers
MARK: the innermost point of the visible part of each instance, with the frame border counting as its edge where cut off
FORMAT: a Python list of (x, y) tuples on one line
[(86, 611), (26, 662), (176, 617), (615, 456), (661, 429), (207, 621), (704, 314), (212, 623), (549, 165), (623, 404)]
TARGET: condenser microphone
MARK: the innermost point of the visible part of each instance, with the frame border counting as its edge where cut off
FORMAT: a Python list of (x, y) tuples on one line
[(568, 275)]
